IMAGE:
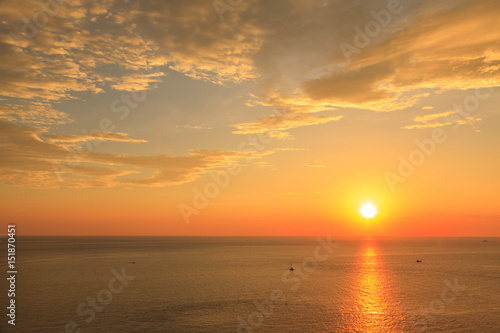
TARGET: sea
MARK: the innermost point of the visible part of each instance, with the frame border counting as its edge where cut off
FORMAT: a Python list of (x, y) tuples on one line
[(245, 284)]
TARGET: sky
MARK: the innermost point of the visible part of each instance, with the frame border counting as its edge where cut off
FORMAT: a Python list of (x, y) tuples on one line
[(250, 117)]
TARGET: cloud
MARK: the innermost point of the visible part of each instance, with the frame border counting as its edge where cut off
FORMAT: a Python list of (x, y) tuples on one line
[(428, 48), (291, 111), (193, 127), (80, 47), (288, 49), (197, 42), (27, 160), (264, 165), (469, 121), (289, 103), (275, 124), (428, 117), (132, 82), (315, 164), (447, 48), (351, 87), (97, 136), (36, 113), (446, 118), (278, 135), (86, 46)]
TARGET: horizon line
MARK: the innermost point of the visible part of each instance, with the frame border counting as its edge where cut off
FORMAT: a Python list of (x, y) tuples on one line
[(306, 236)]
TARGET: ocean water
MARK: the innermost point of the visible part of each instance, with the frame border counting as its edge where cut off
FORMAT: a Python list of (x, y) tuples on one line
[(243, 284)]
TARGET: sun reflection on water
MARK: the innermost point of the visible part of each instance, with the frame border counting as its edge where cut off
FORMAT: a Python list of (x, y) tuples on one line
[(376, 306)]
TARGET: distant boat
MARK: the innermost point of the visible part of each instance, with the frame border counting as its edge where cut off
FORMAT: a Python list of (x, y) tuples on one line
[(419, 260), (485, 241), (291, 267)]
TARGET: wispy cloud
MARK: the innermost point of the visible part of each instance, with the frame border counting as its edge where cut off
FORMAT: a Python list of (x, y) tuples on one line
[(27, 160), (315, 164), (456, 121), (100, 136), (445, 119), (277, 123), (193, 127), (429, 117)]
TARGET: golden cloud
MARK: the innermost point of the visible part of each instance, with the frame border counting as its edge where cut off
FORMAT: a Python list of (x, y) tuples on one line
[(450, 118), (315, 164), (275, 123), (95, 136), (28, 160)]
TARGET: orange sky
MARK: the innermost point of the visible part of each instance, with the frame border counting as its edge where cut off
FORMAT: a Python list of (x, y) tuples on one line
[(258, 119)]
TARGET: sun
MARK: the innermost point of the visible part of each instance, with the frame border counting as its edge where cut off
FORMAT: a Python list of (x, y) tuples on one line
[(368, 210)]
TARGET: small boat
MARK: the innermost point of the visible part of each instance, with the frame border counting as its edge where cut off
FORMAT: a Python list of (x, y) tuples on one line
[(485, 241), (419, 260), (291, 267)]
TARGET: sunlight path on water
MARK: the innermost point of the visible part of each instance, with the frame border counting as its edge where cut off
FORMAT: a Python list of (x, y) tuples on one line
[(376, 306)]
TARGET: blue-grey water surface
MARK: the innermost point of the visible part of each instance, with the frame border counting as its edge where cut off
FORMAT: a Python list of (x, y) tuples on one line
[(243, 284)]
